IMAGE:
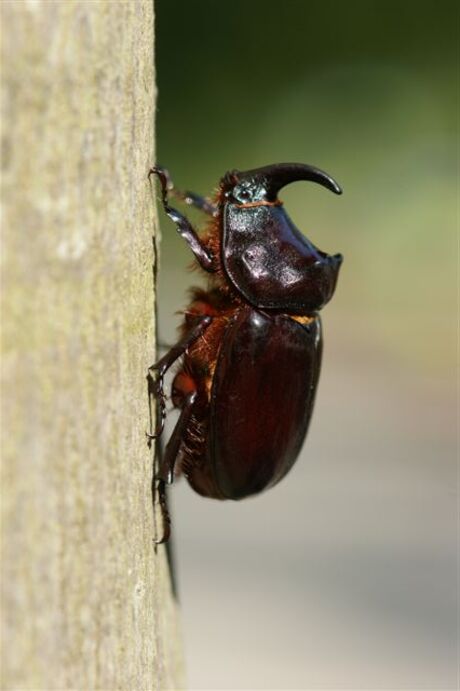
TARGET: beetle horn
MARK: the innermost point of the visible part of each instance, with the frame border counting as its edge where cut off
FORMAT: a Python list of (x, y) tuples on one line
[(278, 175)]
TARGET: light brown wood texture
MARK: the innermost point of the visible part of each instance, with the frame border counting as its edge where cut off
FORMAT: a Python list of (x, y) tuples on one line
[(86, 602)]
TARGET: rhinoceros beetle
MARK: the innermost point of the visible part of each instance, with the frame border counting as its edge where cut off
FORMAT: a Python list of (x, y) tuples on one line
[(250, 343)]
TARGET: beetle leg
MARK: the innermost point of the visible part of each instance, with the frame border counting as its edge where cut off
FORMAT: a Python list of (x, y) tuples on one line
[(161, 493), (162, 497), (156, 372), (166, 518), (197, 201), (156, 395), (165, 475), (166, 469), (203, 255), (190, 198)]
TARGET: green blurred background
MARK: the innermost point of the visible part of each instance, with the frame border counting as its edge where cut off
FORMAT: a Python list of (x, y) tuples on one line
[(354, 554)]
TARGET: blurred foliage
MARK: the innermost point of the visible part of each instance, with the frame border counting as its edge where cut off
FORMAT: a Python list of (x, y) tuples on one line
[(365, 90)]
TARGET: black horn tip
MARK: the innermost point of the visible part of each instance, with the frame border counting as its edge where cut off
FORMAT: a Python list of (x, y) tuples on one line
[(336, 188), (322, 178)]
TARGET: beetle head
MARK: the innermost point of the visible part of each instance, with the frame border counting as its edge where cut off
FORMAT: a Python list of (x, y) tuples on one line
[(263, 184), (267, 259)]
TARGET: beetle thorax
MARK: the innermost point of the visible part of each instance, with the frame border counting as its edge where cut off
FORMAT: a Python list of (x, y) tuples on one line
[(271, 263)]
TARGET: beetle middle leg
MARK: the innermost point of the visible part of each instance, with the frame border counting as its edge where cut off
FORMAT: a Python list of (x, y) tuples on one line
[(156, 372), (197, 201), (203, 255)]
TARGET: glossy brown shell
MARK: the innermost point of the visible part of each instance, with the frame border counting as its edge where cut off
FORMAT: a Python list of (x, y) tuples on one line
[(272, 264), (262, 399)]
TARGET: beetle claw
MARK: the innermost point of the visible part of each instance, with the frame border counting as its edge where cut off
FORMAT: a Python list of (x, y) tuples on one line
[(165, 181)]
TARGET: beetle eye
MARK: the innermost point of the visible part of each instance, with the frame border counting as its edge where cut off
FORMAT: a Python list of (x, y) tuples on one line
[(242, 194)]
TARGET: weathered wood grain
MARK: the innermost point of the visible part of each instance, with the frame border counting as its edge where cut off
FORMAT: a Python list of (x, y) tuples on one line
[(86, 602)]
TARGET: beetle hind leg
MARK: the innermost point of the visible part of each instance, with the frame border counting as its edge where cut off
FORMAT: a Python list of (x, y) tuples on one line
[(160, 491), (167, 461), (166, 469), (165, 515)]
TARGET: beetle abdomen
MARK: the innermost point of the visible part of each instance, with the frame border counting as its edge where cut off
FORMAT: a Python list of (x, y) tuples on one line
[(261, 400)]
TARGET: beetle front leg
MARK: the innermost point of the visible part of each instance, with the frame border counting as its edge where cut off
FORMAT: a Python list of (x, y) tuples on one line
[(156, 372), (190, 198), (203, 255)]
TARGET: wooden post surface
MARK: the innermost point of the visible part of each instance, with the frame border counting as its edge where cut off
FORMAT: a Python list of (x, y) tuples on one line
[(86, 603)]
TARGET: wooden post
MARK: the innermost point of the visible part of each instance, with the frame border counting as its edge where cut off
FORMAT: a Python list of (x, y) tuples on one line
[(86, 602)]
